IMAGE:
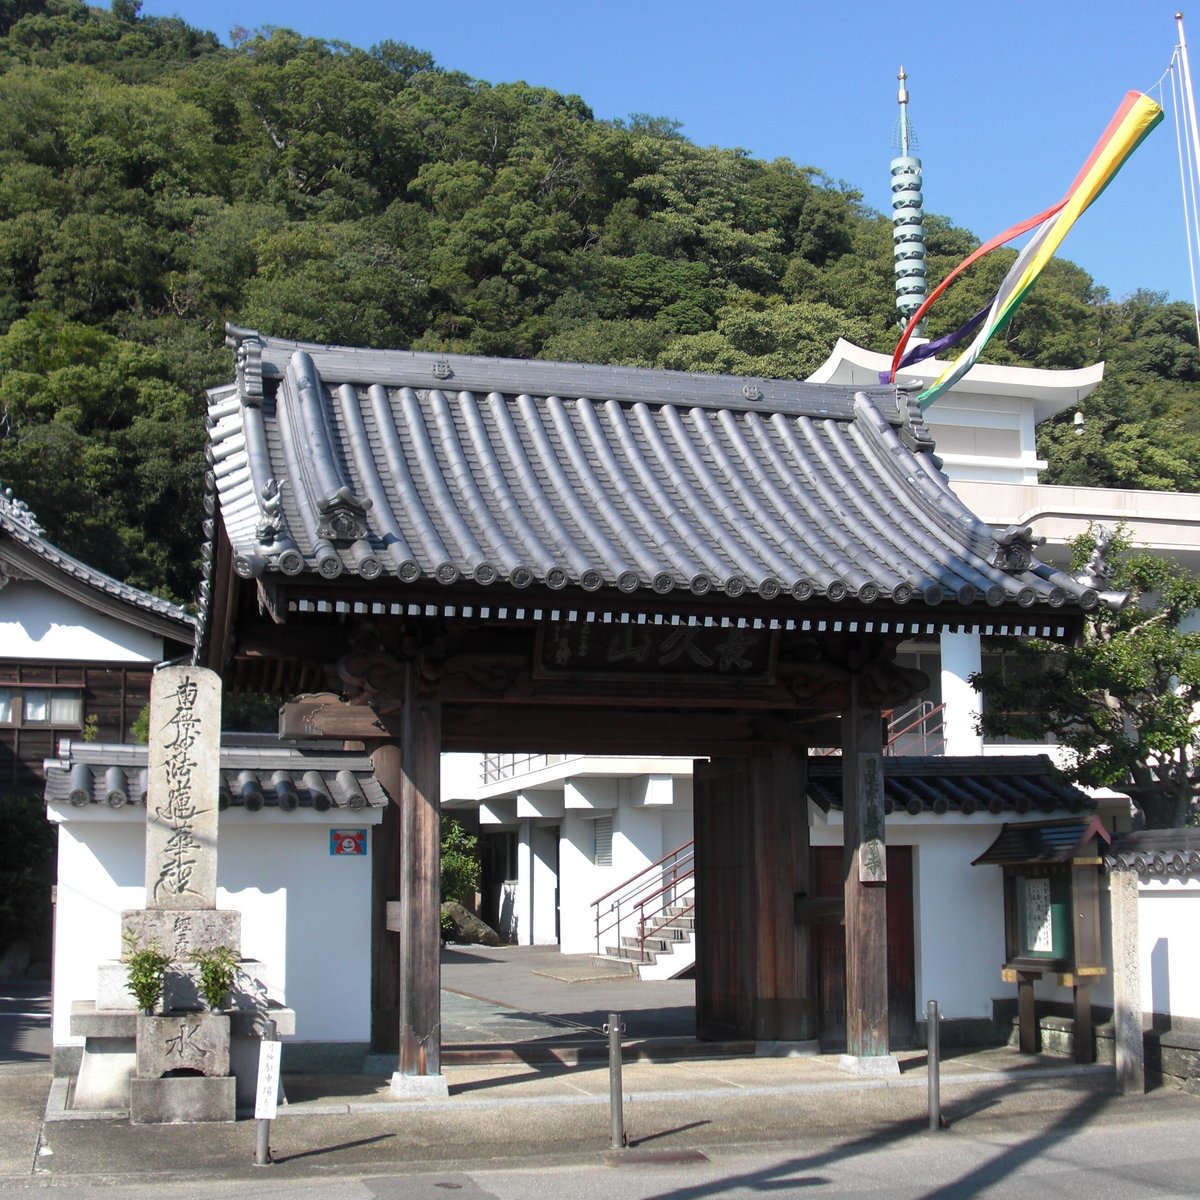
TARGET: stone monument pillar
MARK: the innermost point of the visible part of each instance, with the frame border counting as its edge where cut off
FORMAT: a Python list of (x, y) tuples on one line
[(182, 1067), (1129, 1047)]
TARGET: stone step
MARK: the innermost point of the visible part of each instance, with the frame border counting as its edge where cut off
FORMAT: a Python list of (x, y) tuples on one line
[(651, 945), (678, 929), (627, 954)]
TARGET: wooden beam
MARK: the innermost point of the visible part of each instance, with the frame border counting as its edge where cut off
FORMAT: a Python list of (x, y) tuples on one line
[(865, 879), (328, 716), (605, 730)]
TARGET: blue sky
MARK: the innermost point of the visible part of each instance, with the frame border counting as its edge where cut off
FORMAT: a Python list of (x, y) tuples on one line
[(1006, 98)]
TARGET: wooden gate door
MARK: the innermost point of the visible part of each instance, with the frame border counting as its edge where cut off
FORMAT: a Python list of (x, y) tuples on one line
[(830, 943), (752, 960)]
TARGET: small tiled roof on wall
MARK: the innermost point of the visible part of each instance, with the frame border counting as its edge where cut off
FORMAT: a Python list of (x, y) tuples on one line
[(252, 777), (421, 469), (1157, 853), (26, 554), (1041, 842), (957, 784)]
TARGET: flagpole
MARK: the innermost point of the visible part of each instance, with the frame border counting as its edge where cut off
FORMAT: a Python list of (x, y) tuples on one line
[(1193, 128)]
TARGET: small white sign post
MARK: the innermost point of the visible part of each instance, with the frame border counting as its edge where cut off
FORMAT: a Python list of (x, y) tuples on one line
[(267, 1093)]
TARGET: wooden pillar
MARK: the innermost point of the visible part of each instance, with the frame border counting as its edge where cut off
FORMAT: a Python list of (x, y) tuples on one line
[(420, 971), (1027, 1022), (385, 890), (1085, 1046), (865, 864)]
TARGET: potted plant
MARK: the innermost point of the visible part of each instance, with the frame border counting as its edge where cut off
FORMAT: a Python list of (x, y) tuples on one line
[(218, 970), (145, 968)]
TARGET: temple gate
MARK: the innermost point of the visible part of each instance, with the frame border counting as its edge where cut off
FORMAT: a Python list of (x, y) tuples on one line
[(430, 552)]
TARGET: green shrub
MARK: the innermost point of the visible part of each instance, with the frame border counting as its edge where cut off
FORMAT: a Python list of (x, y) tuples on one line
[(218, 970), (145, 969), (460, 863)]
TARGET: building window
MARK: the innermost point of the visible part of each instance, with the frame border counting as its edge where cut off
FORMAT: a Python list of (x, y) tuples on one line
[(602, 831), (41, 706)]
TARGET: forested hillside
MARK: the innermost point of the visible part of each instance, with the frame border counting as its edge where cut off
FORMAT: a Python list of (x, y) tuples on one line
[(154, 185)]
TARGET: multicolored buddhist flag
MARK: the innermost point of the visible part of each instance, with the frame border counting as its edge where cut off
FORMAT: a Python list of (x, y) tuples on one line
[(1135, 118)]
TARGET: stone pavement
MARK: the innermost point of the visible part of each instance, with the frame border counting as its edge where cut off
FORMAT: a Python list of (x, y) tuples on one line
[(546, 1101)]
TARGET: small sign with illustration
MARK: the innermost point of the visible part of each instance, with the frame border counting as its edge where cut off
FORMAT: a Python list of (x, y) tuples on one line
[(348, 841)]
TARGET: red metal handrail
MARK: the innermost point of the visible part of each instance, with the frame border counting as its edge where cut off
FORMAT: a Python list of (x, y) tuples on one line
[(636, 892), (662, 908), (645, 871)]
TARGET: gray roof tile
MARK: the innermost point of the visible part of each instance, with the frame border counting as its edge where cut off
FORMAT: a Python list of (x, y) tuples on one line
[(425, 467), (18, 523), (251, 777), (957, 784)]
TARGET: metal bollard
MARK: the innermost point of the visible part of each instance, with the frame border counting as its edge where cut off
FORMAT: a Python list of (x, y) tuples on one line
[(934, 1058), (614, 1029), (268, 1086)]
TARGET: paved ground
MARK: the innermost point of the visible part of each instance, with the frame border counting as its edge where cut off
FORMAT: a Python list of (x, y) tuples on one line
[(534, 1111), (539, 997), (24, 1021)]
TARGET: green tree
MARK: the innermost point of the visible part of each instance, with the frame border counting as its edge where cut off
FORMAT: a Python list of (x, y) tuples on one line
[(1123, 700), (1115, 447)]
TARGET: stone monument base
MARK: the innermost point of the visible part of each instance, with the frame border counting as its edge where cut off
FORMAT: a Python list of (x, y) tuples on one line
[(877, 1066), (420, 1087), (105, 1069), (182, 1099), (805, 1049), (108, 1057)]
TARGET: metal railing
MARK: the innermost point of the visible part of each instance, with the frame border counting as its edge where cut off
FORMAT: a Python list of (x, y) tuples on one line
[(496, 768), (919, 730), (641, 901)]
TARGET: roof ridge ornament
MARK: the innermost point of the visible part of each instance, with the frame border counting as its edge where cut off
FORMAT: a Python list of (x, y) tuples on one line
[(340, 513), (1097, 571), (343, 516), (249, 345), (1015, 547), (19, 511), (914, 433)]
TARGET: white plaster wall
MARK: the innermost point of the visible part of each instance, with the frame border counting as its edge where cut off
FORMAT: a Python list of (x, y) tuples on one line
[(1168, 920), (580, 882), (306, 914), (537, 883), (958, 913), (38, 622), (958, 916), (101, 872), (544, 918), (991, 458), (460, 776), (960, 656)]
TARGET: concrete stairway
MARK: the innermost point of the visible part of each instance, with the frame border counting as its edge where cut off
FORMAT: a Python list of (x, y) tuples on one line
[(669, 945)]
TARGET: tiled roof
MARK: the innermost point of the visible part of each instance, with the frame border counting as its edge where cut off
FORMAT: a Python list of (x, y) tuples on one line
[(439, 469), (957, 784), (1160, 852), (1039, 842), (252, 777), (30, 554)]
